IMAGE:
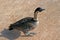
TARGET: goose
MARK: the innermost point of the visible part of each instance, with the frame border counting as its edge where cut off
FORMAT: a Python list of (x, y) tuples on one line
[(27, 24)]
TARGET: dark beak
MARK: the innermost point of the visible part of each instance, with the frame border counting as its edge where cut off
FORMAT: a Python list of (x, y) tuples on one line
[(43, 9)]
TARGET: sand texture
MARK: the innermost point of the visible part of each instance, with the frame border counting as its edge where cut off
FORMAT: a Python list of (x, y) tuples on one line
[(14, 10)]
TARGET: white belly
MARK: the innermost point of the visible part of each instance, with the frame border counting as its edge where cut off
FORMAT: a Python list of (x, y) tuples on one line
[(36, 23)]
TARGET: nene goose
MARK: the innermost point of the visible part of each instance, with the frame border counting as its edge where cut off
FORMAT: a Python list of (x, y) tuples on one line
[(27, 24)]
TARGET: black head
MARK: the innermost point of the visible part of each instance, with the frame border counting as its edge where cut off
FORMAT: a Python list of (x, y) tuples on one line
[(39, 9)]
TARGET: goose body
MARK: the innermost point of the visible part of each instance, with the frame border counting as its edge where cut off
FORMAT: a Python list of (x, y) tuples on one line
[(26, 24)]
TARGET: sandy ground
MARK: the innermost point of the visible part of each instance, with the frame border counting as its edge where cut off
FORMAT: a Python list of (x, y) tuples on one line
[(49, 20)]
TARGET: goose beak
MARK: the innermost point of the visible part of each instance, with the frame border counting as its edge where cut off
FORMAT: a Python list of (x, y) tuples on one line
[(43, 9)]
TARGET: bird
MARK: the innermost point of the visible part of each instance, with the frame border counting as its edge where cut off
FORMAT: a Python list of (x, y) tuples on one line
[(27, 24)]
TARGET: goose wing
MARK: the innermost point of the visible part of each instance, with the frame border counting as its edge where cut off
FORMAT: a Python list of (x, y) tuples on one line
[(23, 21)]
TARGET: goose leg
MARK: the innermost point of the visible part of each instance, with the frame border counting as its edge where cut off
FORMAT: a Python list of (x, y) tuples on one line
[(27, 33), (32, 33)]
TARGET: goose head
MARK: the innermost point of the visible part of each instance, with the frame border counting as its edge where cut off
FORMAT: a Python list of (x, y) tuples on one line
[(39, 9)]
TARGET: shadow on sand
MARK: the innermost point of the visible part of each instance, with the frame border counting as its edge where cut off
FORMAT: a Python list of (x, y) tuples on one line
[(11, 35)]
